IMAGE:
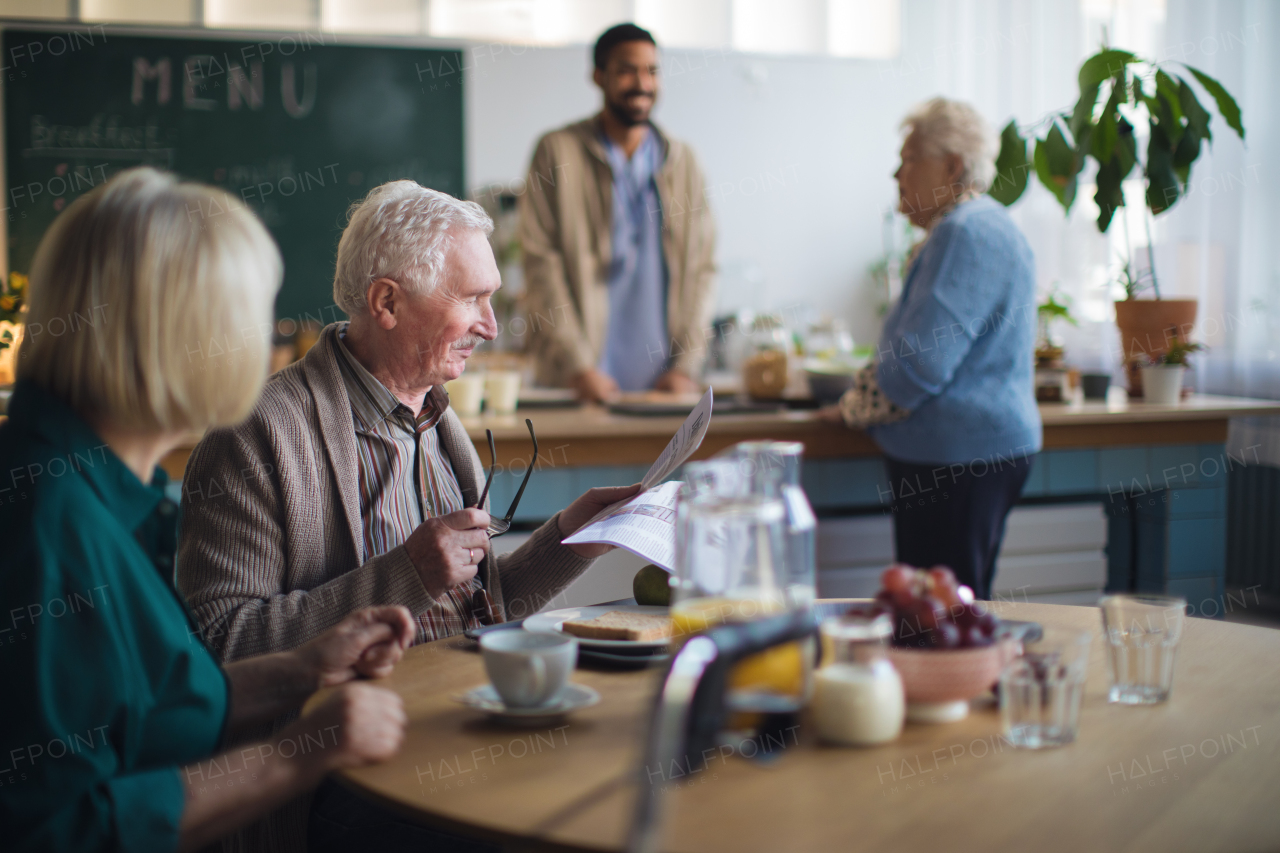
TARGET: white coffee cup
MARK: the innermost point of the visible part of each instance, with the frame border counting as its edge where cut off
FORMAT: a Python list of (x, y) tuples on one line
[(466, 393), (528, 669), (502, 391)]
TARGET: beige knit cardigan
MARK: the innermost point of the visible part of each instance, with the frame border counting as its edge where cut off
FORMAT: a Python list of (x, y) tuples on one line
[(271, 551)]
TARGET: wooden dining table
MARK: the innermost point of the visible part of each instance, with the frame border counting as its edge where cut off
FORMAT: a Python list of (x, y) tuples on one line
[(1200, 772)]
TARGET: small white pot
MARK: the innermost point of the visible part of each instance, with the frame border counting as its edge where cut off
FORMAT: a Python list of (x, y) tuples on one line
[(1162, 383)]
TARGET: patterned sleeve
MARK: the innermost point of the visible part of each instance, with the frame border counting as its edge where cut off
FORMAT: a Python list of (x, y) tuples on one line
[(864, 404)]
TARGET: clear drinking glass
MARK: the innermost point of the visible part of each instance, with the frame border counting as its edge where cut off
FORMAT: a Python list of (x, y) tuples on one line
[(1040, 692), (1143, 633), (730, 550)]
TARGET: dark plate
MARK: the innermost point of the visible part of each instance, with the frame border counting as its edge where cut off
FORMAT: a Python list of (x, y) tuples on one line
[(621, 661)]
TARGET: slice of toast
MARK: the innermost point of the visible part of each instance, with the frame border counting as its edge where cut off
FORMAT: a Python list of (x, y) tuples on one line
[(620, 625)]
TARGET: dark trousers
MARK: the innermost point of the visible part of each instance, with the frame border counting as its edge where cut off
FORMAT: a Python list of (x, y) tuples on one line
[(954, 515), (344, 822)]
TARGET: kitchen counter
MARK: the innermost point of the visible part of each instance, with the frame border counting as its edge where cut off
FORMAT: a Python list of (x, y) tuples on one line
[(1159, 472), (591, 435)]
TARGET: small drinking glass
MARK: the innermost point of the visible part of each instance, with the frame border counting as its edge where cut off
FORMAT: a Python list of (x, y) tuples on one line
[(1040, 692), (1143, 633)]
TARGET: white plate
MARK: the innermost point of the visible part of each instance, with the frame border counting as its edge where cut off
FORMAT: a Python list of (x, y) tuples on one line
[(550, 622), (572, 697)]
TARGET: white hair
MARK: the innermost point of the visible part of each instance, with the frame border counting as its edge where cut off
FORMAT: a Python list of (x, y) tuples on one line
[(400, 231), (953, 127)]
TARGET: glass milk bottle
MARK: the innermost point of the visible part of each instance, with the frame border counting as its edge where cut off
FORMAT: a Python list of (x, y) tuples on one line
[(774, 468), (730, 547), (858, 698)]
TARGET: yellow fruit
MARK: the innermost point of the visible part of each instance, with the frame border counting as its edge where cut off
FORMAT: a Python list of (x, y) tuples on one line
[(650, 586)]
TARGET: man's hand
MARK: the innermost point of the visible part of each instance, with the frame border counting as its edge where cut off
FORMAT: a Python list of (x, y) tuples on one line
[(595, 386), (446, 550), (676, 382), (584, 509), (367, 643)]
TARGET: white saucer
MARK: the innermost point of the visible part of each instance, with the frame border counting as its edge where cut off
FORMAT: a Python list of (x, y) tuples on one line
[(572, 697)]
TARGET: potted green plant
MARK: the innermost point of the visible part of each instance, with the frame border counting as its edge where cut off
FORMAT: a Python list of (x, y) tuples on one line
[(1162, 376), (1048, 349), (1131, 91)]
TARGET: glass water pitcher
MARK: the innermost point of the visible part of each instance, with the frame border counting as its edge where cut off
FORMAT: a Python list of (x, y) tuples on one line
[(774, 469), (731, 553)]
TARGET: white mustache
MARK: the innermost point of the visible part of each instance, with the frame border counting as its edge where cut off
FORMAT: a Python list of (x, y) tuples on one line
[(469, 342)]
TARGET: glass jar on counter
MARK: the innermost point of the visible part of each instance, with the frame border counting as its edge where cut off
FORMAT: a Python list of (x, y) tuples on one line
[(764, 373), (858, 697)]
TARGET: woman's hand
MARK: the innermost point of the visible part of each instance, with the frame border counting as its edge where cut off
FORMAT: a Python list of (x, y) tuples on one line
[(368, 644), (831, 414), (356, 724), (584, 509)]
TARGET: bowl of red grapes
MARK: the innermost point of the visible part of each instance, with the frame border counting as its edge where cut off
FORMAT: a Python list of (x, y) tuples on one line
[(946, 646)]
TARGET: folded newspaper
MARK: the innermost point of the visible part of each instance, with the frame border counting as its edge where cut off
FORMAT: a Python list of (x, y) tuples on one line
[(645, 525)]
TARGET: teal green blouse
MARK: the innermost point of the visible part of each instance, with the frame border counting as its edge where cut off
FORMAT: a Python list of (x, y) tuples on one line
[(107, 686)]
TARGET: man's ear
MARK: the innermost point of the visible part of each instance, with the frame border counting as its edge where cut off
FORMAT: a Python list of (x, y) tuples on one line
[(597, 77), (383, 299), (955, 167)]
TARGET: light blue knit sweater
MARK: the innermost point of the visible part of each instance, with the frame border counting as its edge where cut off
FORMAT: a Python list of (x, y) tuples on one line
[(957, 349)]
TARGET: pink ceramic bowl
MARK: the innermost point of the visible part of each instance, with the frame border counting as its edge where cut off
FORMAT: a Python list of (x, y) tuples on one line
[(932, 675)]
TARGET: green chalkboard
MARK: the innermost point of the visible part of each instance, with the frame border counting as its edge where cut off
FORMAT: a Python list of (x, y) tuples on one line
[(296, 125)]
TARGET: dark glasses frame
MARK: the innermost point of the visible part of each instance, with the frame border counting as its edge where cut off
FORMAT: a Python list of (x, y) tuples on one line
[(499, 526)]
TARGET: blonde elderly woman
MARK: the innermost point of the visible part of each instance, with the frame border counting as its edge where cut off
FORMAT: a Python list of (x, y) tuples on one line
[(114, 711), (951, 400)]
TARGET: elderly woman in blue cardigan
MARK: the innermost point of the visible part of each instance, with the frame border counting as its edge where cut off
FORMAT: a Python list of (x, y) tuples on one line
[(950, 399)]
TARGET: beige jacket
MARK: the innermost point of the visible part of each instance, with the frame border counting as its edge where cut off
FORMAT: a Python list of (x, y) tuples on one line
[(565, 233), (272, 547)]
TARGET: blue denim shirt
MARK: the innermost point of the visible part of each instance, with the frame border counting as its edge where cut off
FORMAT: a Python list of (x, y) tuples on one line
[(958, 348), (636, 341)]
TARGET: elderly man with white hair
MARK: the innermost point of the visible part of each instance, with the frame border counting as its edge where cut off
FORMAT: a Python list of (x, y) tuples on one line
[(352, 482), (951, 398)]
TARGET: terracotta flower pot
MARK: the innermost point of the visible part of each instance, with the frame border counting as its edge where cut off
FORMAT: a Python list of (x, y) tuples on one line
[(1145, 326)]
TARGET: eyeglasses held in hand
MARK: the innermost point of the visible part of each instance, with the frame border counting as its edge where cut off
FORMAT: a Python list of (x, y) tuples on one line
[(499, 526)]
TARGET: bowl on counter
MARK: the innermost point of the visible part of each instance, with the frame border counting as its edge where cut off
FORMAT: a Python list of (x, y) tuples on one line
[(829, 378), (828, 387)]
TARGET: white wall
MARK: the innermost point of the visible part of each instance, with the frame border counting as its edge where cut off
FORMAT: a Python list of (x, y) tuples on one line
[(798, 151)]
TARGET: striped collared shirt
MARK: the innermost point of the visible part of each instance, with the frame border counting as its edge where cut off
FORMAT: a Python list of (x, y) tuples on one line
[(405, 478)]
